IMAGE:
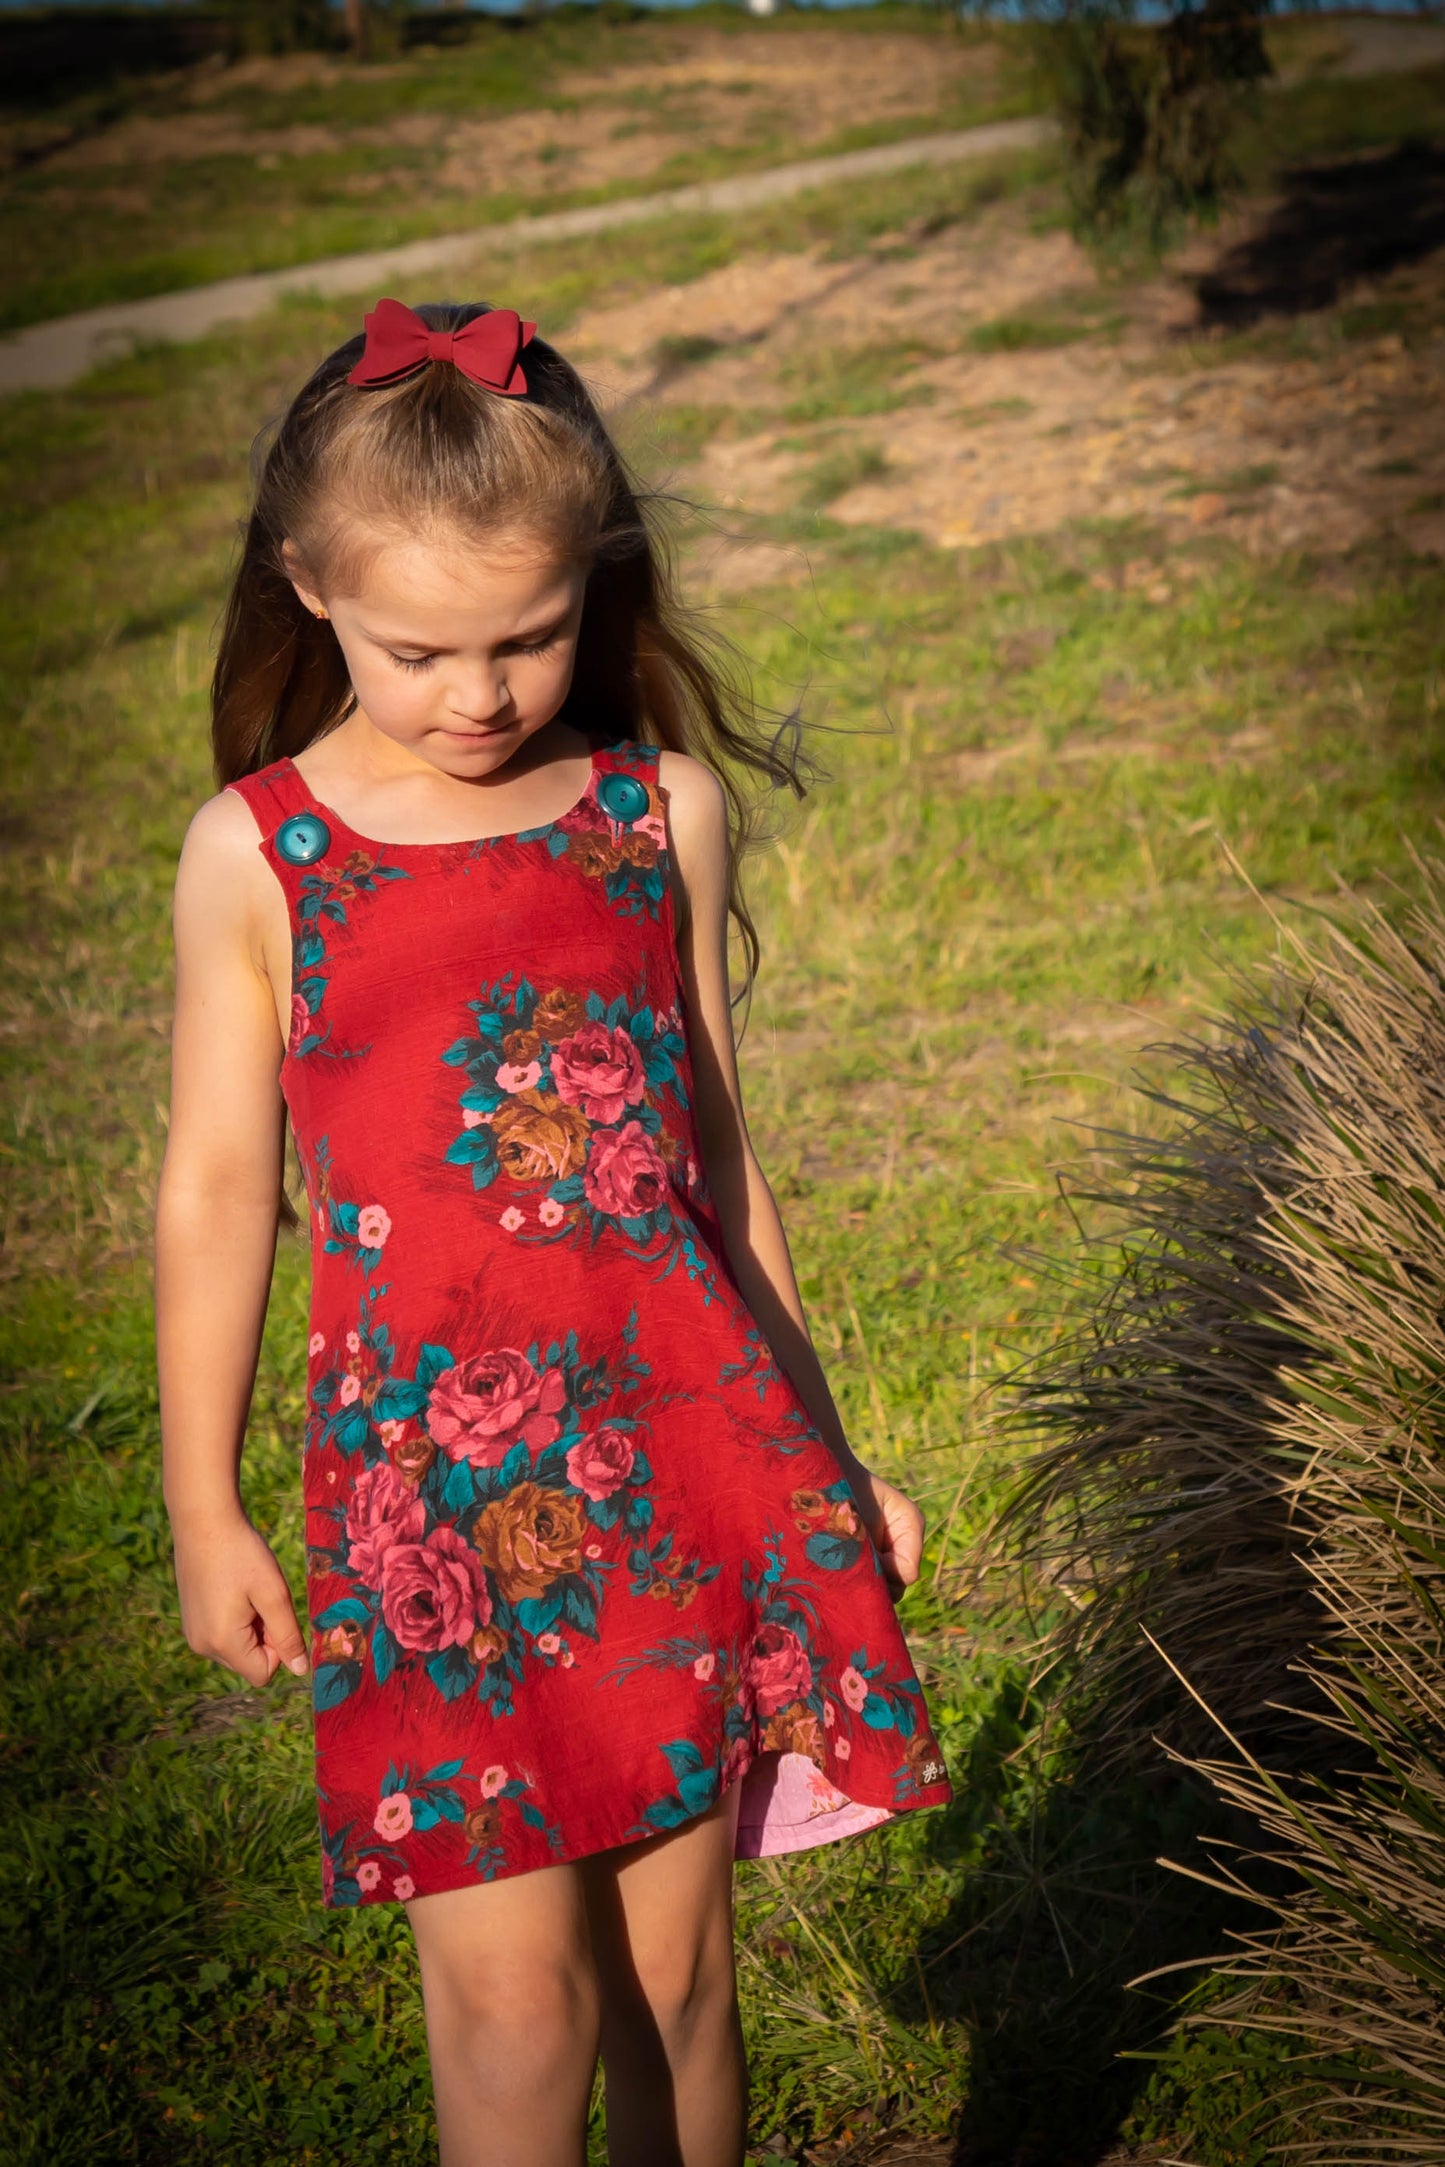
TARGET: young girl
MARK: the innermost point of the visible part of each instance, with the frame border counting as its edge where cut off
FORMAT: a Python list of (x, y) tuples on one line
[(599, 1597)]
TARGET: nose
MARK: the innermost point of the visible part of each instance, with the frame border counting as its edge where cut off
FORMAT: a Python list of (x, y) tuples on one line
[(481, 698)]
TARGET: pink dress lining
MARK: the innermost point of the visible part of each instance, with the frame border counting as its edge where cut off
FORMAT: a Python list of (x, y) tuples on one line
[(788, 1804)]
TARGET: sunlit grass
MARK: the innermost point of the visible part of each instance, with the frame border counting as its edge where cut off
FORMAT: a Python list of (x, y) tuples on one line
[(1012, 881)]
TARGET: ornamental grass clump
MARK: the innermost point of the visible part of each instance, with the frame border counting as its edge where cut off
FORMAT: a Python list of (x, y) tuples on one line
[(1239, 1504)]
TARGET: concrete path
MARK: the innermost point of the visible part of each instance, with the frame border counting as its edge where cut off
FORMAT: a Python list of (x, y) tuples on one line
[(45, 355)]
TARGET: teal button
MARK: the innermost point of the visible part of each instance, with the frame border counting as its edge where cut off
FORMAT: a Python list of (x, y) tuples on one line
[(302, 839), (622, 797)]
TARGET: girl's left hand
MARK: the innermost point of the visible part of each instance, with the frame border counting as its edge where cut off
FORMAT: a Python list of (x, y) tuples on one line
[(896, 1526)]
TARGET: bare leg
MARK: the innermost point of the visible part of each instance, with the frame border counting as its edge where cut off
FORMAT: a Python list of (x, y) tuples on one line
[(672, 2050), (510, 1994)]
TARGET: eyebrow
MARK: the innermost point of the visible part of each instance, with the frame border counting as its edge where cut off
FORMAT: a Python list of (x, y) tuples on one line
[(529, 637)]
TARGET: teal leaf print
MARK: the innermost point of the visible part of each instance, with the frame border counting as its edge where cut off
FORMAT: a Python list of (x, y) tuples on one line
[(431, 1363), (450, 1671), (333, 1683), (835, 1553), (349, 1611), (459, 1489)]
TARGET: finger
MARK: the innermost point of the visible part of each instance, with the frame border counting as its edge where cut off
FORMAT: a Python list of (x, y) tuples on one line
[(908, 1554), (241, 1649), (281, 1637)]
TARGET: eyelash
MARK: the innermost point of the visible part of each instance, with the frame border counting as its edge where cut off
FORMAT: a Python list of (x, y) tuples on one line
[(424, 662)]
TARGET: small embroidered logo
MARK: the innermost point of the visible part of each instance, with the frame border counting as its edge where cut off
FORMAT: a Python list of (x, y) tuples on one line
[(931, 1772)]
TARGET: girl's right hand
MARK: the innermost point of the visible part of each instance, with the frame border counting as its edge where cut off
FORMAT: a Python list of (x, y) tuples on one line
[(235, 1603)]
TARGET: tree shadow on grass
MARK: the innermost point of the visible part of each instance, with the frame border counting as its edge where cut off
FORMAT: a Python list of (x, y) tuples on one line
[(1067, 1904), (1335, 225)]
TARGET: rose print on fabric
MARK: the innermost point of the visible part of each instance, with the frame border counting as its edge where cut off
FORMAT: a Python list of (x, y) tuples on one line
[(477, 1410), (324, 896), (358, 1862), (573, 1107), (618, 834), (576, 1557), (499, 1492)]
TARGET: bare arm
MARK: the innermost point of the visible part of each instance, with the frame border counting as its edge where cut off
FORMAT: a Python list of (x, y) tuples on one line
[(215, 1240), (752, 1229)]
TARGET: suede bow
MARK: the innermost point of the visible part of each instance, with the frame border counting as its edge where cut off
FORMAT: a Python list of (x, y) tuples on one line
[(486, 349)]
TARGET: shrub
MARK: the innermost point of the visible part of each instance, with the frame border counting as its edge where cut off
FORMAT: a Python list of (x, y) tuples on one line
[(1243, 1464), (1147, 113)]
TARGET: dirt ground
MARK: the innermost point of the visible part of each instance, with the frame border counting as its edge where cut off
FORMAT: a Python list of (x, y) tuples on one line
[(1280, 382), (619, 124)]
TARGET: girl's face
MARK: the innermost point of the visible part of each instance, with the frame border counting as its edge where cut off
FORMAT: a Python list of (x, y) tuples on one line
[(458, 650)]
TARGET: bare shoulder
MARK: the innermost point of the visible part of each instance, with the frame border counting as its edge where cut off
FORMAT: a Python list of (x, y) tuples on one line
[(221, 875), (697, 824), (697, 803)]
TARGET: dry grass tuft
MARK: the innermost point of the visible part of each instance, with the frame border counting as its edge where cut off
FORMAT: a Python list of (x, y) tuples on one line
[(1243, 1471)]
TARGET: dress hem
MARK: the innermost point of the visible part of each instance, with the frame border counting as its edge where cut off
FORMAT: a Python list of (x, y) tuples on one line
[(938, 1793)]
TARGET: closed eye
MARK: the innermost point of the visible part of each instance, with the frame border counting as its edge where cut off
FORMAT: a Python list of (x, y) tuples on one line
[(412, 662)]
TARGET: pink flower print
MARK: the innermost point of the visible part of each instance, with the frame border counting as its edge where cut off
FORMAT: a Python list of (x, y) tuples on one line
[(372, 1226), (472, 1117), (654, 827), (383, 1510), (854, 1688), (549, 1643), (511, 1219), (777, 1667), (393, 1816), (512, 1078), (550, 1212), (601, 1463), (300, 1022), (350, 1391), (316, 1344), (825, 1798), (480, 1408), (842, 1748), (403, 1887), (705, 1666), (830, 1715), (599, 1070), (567, 1658), (625, 1176), (433, 1593), (353, 1342), (368, 1874), (493, 1780), (593, 1550)]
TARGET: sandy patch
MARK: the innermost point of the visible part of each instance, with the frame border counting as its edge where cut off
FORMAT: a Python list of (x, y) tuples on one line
[(1276, 450), (790, 92)]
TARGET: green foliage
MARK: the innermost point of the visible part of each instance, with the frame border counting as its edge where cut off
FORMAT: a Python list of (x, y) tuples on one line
[(281, 26), (1148, 114)]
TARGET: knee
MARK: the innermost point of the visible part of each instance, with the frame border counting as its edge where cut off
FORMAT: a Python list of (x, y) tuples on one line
[(689, 1985), (531, 2012)]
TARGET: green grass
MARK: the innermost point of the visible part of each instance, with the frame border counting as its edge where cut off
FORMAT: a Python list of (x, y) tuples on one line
[(1006, 889), (79, 237)]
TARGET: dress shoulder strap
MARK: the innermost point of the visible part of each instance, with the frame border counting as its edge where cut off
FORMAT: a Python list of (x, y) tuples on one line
[(626, 756), (275, 794)]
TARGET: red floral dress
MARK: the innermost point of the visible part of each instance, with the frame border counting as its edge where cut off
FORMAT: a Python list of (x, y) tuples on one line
[(577, 1560)]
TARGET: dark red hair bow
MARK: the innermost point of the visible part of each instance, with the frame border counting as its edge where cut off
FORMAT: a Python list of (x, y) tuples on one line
[(486, 349)]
